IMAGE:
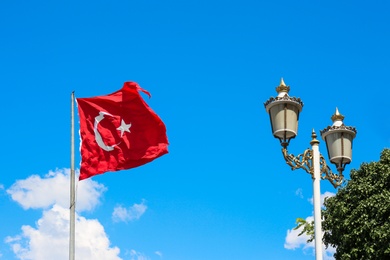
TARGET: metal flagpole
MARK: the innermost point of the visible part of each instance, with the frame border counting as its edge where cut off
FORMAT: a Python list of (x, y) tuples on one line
[(72, 186)]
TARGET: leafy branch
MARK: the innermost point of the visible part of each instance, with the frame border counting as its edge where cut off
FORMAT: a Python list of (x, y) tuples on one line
[(308, 228)]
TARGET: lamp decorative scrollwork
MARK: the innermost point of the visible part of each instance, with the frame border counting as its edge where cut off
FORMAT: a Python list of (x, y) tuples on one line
[(305, 161)]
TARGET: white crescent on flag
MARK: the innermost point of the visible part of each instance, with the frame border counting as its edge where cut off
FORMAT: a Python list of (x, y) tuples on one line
[(123, 128)]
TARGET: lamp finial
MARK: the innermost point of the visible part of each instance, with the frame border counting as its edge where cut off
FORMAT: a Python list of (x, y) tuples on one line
[(314, 138), (282, 89), (337, 118), (282, 82)]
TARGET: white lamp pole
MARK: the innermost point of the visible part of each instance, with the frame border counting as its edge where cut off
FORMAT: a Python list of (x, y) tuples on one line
[(284, 114), (317, 196)]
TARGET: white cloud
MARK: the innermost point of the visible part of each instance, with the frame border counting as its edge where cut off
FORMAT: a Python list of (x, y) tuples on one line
[(50, 238), (159, 254), (327, 194), (299, 193), (134, 255), (293, 241), (128, 214), (36, 192)]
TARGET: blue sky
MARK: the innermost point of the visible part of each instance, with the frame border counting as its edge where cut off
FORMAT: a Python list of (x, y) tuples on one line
[(223, 191)]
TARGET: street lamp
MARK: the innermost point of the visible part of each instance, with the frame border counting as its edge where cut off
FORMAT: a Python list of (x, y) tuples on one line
[(284, 115)]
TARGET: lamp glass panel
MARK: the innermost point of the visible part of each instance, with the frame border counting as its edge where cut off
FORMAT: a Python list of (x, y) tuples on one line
[(347, 139), (339, 147), (284, 121)]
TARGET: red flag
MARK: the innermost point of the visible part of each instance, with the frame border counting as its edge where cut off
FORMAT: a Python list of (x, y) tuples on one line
[(119, 131)]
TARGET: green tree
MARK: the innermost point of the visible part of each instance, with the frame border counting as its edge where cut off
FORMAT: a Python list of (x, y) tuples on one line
[(357, 220)]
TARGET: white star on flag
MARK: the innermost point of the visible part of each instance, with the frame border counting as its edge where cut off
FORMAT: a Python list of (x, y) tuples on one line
[(124, 127)]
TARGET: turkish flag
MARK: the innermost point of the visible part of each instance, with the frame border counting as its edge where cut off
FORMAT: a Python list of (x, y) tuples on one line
[(119, 131)]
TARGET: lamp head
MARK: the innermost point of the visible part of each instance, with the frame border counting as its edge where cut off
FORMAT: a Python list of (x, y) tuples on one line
[(284, 114), (339, 138)]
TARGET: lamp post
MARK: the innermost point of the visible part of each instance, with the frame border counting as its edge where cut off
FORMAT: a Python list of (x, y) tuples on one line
[(284, 115)]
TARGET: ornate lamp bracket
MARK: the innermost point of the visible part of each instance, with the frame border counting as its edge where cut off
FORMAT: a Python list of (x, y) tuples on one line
[(326, 173), (301, 161), (305, 161)]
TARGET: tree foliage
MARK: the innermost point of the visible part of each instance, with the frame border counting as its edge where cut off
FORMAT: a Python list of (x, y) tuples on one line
[(357, 220)]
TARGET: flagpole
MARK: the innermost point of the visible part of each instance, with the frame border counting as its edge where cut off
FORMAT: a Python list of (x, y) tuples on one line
[(72, 186)]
